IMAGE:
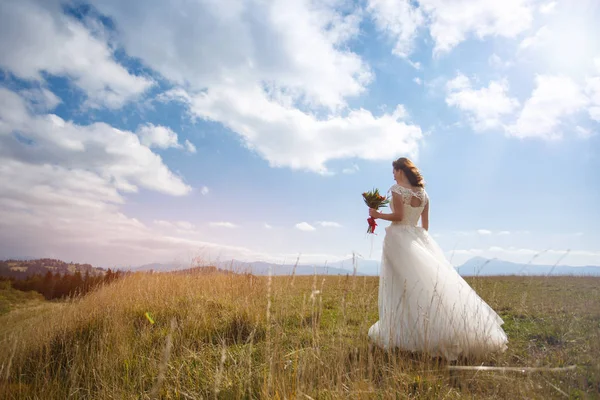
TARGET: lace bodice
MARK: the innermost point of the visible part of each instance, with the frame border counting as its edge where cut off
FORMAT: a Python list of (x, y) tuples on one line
[(412, 213)]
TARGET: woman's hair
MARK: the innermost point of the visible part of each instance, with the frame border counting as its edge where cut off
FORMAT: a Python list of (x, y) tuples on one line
[(410, 170)]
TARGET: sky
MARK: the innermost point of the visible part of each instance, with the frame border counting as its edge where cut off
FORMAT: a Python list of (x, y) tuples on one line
[(151, 131)]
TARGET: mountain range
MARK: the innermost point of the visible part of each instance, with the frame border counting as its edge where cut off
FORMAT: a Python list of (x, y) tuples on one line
[(364, 267), (486, 267), (475, 266)]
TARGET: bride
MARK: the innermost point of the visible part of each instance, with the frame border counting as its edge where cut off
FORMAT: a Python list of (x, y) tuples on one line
[(424, 304)]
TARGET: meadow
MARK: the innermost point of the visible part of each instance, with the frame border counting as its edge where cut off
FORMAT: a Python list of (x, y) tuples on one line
[(231, 336)]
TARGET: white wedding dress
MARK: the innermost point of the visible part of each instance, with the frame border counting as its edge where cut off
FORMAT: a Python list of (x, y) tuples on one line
[(424, 304)]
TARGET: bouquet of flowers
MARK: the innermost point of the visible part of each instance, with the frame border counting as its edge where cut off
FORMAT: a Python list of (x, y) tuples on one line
[(374, 200)]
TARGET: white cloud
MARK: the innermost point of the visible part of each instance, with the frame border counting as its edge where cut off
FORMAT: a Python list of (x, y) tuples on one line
[(305, 226), (595, 113), (418, 81), (185, 225), (329, 224), (223, 224), (496, 62), (267, 226), (305, 59), (308, 143), (485, 107), (351, 170), (452, 22), (400, 20), (468, 251), (414, 64), (36, 37), (111, 153), (204, 190), (548, 8), (540, 38), (485, 232), (40, 99), (593, 91), (179, 225), (553, 99), (584, 133), (449, 22), (190, 147), (161, 137)]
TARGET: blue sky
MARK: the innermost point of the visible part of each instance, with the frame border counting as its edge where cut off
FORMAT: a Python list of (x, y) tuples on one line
[(150, 132)]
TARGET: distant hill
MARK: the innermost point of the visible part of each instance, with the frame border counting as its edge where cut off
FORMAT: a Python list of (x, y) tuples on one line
[(485, 267), (21, 269), (158, 267), (262, 268), (208, 270)]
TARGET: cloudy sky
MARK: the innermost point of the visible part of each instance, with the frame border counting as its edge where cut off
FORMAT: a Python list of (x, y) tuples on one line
[(152, 131)]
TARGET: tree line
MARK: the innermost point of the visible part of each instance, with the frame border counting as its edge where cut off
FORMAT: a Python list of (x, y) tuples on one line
[(59, 286)]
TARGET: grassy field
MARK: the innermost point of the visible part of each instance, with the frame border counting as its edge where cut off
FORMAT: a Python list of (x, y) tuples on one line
[(234, 336)]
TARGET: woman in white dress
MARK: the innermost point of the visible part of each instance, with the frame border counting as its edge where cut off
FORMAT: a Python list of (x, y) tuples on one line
[(424, 304)]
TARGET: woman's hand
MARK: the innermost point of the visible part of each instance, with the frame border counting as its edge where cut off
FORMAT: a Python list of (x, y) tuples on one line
[(373, 213)]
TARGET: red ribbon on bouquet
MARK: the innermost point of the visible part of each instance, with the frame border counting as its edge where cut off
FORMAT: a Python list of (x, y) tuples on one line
[(374, 201), (372, 225)]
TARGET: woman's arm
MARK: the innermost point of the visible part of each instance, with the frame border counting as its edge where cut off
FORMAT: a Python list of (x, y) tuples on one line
[(398, 213), (425, 217)]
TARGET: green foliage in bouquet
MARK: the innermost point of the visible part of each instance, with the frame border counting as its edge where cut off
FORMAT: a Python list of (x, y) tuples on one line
[(374, 199)]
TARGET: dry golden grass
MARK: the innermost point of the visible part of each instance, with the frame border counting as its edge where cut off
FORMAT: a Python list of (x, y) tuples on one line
[(237, 336)]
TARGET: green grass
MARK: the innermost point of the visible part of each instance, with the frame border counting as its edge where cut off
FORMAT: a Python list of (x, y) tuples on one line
[(11, 298), (243, 337)]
